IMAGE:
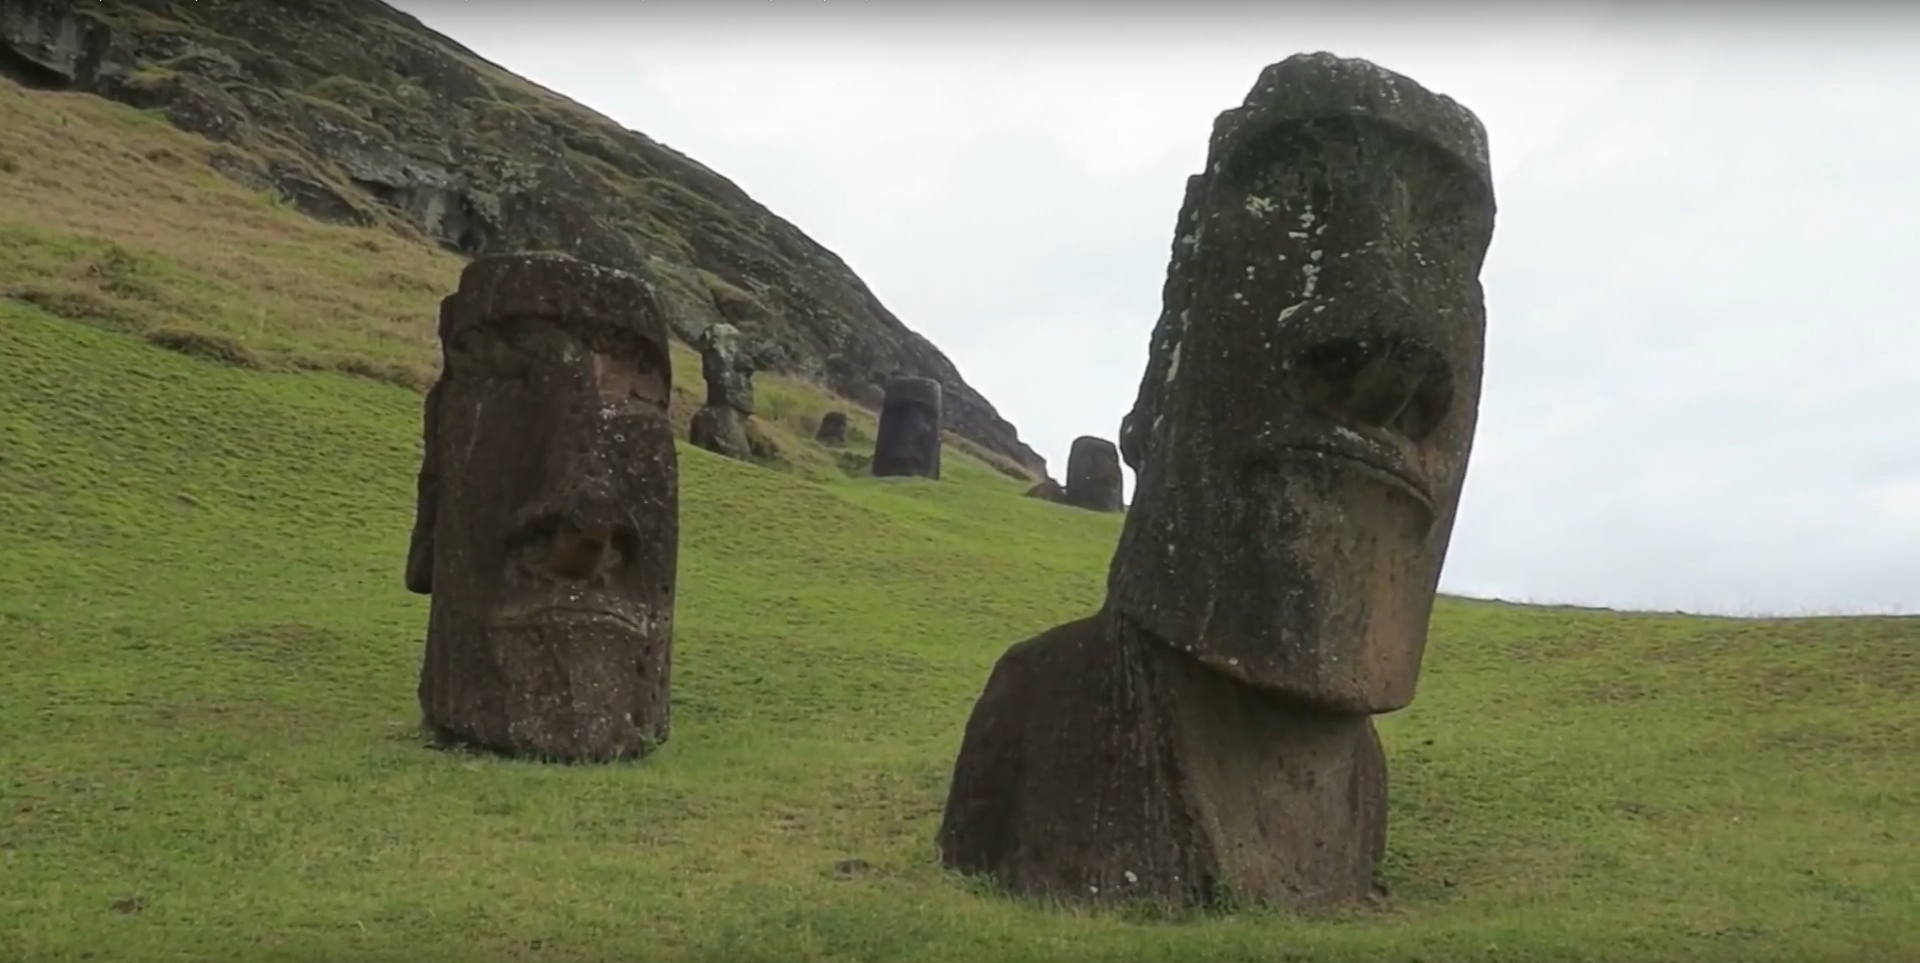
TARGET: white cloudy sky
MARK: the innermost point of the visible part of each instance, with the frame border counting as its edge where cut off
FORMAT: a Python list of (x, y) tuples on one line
[(1700, 375)]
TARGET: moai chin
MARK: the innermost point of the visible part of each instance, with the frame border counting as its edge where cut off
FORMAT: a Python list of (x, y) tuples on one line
[(1094, 481), (720, 424), (908, 439), (548, 516), (1300, 439)]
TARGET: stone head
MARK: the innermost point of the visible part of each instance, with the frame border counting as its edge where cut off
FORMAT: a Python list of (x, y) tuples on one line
[(832, 429), (1094, 479), (908, 441), (550, 466), (727, 366), (1302, 432)]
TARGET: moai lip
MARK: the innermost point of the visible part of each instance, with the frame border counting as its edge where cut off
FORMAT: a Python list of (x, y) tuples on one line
[(1094, 480), (908, 439), (547, 532), (1299, 440)]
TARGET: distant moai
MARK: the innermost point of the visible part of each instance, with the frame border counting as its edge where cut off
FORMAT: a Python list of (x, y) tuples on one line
[(833, 429), (1299, 441), (908, 441), (728, 368), (1094, 481), (547, 523)]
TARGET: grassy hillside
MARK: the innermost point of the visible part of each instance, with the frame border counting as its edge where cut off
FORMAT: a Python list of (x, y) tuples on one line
[(207, 667), (111, 217)]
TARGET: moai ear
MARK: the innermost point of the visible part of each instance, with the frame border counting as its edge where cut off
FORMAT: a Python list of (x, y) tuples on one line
[(419, 574)]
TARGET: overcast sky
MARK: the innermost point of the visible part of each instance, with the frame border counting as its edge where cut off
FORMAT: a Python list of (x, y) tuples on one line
[(1700, 388)]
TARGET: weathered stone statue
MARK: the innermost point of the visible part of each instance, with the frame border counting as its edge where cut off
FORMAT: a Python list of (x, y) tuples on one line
[(728, 367), (548, 515), (1094, 481), (833, 429), (1300, 439), (908, 441)]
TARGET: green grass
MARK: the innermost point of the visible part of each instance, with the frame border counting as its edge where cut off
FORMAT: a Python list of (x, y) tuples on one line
[(207, 666)]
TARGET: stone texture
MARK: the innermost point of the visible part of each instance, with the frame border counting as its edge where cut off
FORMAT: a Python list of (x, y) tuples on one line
[(1299, 439), (1094, 479), (51, 44), (833, 429), (547, 527), (908, 441)]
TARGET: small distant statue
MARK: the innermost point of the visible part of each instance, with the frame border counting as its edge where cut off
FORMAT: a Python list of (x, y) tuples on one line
[(1094, 480), (546, 529), (908, 441), (728, 367), (833, 429)]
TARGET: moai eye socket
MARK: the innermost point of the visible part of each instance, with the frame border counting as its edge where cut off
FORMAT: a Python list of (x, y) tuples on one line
[(623, 380), (1383, 382)]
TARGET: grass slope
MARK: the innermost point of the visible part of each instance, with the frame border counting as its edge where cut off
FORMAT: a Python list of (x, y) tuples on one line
[(207, 668)]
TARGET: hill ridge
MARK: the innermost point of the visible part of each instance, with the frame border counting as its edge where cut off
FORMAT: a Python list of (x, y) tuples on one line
[(355, 112)]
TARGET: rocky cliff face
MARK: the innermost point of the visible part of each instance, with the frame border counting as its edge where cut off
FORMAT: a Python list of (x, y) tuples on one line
[(355, 112)]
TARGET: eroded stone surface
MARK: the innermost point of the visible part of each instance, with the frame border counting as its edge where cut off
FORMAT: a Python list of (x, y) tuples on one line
[(908, 441), (1300, 440), (547, 530), (1094, 481)]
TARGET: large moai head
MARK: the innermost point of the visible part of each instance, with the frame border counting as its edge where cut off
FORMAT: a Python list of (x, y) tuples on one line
[(1302, 431), (908, 439), (549, 526), (727, 367), (1094, 480)]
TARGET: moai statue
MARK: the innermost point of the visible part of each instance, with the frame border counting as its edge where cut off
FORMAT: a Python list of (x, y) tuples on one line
[(833, 429), (1300, 439), (1094, 481), (547, 524), (909, 434), (727, 366)]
